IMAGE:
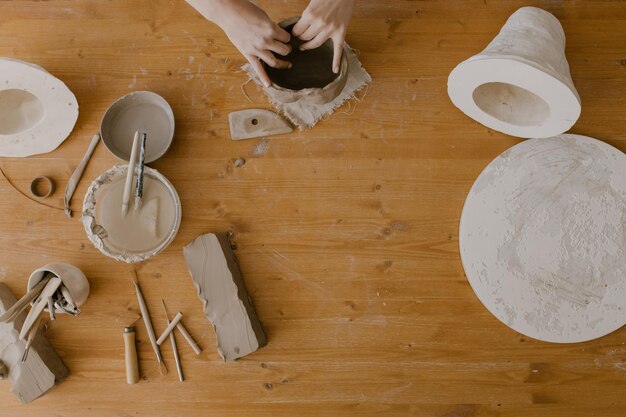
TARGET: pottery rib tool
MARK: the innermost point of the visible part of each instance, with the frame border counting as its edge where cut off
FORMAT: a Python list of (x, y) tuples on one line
[(142, 161), (42, 302), (78, 174), (252, 123), (18, 307), (170, 328), (129, 175), (179, 368), (146, 319)]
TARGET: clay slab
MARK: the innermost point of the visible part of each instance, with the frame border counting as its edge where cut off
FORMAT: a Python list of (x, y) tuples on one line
[(543, 238), (216, 275)]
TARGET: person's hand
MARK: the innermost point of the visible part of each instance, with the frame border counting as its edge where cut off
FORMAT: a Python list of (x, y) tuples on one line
[(323, 20), (251, 31)]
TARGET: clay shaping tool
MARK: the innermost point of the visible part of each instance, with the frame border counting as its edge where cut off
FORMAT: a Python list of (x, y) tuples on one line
[(181, 328), (253, 123), (170, 328), (129, 175), (130, 353), (78, 174), (179, 368), (31, 336), (142, 161), (18, 307), (39, 305), (146, 319), (51, 308)]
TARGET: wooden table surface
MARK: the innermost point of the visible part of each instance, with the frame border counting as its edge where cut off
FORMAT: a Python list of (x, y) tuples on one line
[(346, 233)]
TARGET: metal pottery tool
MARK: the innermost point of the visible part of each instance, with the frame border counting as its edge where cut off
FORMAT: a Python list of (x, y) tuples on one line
[(146, 319), (179, 368), (129, 175), (140, 169)]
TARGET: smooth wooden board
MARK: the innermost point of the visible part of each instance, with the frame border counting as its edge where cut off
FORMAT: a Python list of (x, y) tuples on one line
[(347, 234)]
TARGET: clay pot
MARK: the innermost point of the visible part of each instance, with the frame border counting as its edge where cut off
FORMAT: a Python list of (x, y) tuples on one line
[(72, 277), (291, 85)]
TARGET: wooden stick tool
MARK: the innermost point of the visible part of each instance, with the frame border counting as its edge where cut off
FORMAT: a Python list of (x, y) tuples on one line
[(170, 328), (146, 319), (129, 175), (179, 368)]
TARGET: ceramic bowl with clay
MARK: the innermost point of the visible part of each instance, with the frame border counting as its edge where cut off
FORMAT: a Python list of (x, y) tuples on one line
[(311, 78), (142, 111), (140, 234), (73, 279)]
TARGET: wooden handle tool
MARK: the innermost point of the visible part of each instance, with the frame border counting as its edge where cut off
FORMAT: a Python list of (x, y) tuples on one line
[(188, 338), (130, 352), (146, 319), (129, 175), (23, 302), (179, 367), (48, 291), (170, 328)]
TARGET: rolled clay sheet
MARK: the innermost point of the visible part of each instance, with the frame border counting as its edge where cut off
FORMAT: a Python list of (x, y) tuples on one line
[(37, 110), (520, 84)]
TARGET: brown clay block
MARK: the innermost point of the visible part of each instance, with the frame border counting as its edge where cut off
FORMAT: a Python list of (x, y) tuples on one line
[(43, 365), (221, 289)]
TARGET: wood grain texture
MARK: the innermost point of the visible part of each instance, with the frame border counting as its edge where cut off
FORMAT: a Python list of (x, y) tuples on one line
[(347, 234)]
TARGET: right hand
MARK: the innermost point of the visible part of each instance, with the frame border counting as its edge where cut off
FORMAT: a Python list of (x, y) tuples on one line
[(253, 33)]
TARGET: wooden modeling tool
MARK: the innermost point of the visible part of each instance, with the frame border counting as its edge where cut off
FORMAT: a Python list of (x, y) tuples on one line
[(129, 175), (181, 328), (170, 328), (51, 308), (29, 340), (39, 305), (146, 319), (21, 305), (253, 123), (179, 368), (130, 353), (128, 319), (78, 174), (142, 161)]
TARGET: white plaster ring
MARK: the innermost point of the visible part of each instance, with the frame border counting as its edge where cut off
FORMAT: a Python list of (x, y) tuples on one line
[(37, 111), (520, 84), (140, 234)]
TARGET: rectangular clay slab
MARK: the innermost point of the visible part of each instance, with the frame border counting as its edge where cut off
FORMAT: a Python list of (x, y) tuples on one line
[(221, 289), (42, 367)]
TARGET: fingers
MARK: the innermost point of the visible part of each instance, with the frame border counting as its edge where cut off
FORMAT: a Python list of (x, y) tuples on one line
[(309, 33), (258, 68), (300, 27), (280, 48), (338, 50), (316, 42), (274, 62), (281, 34)]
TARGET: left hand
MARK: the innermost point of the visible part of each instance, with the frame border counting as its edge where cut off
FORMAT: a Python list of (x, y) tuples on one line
[(323, 20)]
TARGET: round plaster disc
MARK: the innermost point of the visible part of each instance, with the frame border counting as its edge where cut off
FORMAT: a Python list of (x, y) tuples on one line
[(543, 238), (37, 110)]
